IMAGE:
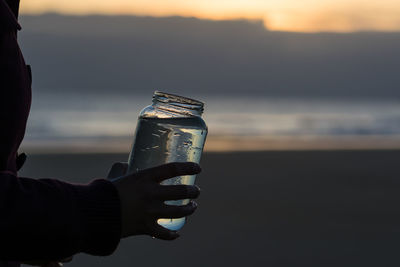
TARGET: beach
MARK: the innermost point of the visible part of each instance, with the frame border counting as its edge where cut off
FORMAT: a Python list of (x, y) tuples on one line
[(278, 208)]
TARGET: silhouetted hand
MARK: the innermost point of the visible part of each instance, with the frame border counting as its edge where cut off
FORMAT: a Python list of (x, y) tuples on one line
[(142, 197)]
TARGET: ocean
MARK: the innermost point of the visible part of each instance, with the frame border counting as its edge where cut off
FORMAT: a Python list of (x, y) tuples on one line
[(88, 122)]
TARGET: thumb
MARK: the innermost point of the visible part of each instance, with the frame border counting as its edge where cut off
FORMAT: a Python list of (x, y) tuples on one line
[(118, 169)]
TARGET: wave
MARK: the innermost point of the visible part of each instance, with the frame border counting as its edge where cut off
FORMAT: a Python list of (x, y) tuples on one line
[(110, 119)]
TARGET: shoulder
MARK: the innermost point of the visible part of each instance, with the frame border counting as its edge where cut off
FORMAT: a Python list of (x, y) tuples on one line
[(8, 22)]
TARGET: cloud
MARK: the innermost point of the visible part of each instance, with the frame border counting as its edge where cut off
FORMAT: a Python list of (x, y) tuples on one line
[(125, 54), (345, 18)]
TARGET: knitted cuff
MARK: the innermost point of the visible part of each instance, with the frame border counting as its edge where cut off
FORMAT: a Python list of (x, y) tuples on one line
[(99, 209)]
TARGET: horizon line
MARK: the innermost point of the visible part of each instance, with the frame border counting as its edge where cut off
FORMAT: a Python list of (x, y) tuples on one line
[(226, 143)]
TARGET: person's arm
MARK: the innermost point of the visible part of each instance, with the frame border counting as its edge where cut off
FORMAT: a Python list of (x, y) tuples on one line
[(49, 220)]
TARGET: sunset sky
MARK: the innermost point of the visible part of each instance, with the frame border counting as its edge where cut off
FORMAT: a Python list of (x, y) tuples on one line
[(285, 15)]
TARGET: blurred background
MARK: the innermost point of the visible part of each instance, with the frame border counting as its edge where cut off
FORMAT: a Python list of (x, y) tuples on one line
[(302, 103), (288, 74)]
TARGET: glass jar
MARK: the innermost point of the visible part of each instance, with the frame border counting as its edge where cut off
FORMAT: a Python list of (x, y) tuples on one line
[(169, 130)]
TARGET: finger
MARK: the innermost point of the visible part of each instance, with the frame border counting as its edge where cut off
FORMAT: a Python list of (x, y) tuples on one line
[(176, 192), (118, 169), (169, 211), (160, 232), (171, 170)]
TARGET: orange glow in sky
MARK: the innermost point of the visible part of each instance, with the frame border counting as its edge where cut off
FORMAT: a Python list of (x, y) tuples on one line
[(284, 15)]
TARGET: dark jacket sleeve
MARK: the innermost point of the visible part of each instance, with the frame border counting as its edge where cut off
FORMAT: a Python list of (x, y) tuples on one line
[(48, 219)]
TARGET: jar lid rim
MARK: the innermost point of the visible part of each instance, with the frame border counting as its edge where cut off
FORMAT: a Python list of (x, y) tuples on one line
[(178, 98)]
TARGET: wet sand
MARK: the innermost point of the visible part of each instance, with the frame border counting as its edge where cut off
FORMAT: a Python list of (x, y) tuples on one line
[(302, 208)]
